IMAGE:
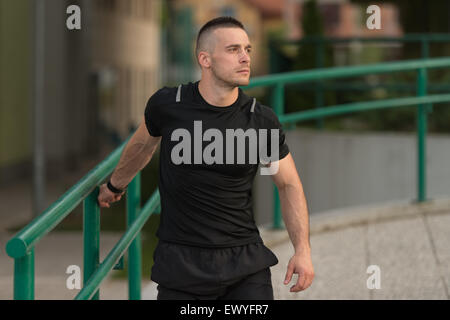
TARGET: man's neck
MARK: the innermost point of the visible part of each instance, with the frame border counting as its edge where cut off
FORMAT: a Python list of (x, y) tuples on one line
[(215, 95)]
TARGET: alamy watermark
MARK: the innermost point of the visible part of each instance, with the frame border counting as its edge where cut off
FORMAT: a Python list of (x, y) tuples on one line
[(188, 146), (73, 22), (74, 280), (374, 280), (374, 20)]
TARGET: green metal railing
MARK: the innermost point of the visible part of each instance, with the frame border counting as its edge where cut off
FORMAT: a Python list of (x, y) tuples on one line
[(21, 246), (320, 42), (422, 101)]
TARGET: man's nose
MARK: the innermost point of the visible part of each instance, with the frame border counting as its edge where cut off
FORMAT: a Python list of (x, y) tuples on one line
[(245, 57)]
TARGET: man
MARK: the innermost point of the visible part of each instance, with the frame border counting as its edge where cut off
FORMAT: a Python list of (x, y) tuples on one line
[(209, 246)]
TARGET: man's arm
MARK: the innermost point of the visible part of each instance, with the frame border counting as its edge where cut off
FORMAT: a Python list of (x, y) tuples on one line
[(295, 215), (135, 156)]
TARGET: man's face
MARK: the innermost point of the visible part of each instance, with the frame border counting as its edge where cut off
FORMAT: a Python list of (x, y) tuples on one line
[(230, 59)]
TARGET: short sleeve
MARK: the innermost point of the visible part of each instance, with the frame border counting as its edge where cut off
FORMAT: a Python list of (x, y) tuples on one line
[(153, 116), (272, 122)]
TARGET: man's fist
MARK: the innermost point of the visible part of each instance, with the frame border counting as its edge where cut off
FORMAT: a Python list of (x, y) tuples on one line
[(106, 196)]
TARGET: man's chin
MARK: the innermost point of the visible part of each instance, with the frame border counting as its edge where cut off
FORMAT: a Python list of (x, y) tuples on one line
[(242, 82), (237, 82)]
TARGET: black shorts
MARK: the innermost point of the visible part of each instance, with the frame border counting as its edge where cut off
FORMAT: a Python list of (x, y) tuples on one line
[(186, 272), (257, 286)]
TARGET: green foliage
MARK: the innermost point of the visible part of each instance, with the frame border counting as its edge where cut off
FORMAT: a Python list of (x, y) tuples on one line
[(309, 55), (312, 23)]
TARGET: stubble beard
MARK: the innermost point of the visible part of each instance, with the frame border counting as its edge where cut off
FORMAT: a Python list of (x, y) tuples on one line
[(227, 82)]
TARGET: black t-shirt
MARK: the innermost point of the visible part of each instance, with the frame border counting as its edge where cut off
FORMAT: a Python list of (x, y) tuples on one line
[(207, 203)]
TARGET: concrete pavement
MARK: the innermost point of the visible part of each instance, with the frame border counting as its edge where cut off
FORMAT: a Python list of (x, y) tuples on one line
[(409, 243)]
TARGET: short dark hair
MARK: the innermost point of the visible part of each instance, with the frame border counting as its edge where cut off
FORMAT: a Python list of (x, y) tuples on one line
[(214, 24)]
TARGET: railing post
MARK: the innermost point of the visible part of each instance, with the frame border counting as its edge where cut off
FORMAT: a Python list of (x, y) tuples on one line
[(24, 277), (277, 99), (425, 48), (278, 106), (134, 250), (91, 230), (421, 136)]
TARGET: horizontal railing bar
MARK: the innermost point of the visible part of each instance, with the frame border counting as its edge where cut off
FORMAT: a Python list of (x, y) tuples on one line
[(361, 106), (49, 219), (119, 249), (346, 71), (336, 86)]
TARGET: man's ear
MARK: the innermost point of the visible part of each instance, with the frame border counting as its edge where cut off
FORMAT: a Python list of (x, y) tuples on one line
[(204, 59)]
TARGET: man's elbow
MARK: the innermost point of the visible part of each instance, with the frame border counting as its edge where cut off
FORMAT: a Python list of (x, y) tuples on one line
[(288, 185)]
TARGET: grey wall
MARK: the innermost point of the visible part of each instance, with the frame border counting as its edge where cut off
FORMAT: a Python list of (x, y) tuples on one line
[(346, 169), (67, 117)]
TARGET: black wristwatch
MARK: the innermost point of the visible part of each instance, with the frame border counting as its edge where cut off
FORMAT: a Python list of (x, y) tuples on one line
[(114, 189)]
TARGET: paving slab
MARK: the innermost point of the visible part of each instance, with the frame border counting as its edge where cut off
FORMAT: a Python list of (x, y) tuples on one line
[(439, 226), (404, 254), (339, 265)]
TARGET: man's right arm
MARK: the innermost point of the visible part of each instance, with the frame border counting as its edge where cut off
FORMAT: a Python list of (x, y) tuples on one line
[(135, 156)]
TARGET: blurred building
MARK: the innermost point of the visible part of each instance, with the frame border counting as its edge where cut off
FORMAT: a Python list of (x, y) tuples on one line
[(252, 14), (126, 59), (342, 18), (97, 79)]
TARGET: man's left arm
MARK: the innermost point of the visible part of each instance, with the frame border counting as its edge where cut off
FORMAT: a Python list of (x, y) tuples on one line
[(295, 215)]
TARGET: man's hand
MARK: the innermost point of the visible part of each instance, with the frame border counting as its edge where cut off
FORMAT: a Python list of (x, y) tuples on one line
[(106, 196), (302, 265)]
